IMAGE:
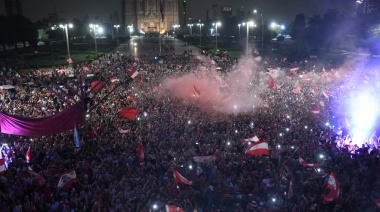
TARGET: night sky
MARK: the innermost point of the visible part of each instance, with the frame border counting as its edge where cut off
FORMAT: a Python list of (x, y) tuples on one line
[(281, 11)]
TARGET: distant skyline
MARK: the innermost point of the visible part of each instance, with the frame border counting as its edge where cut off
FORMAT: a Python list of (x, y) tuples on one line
[(281, 11)]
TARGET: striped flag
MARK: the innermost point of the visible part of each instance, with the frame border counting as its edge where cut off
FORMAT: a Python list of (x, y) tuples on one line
[(37, 177), (316, 110), (134, 74), (181, 179), (196, 92), (333, 186), (67, 179), (258, 148), (173, 208), (28, 155), (304, 163), (327, 94), (253, 138)]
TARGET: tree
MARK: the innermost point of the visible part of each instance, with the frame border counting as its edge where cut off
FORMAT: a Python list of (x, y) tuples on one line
[(298, 28), (314, 35)]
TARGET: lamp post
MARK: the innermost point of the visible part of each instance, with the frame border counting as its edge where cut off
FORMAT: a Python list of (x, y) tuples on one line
[(249, 23), (200, 33), (175, 26), (64, 26), (117, 32), (94, 27), (216, 34), (239, 25), (191, 29)]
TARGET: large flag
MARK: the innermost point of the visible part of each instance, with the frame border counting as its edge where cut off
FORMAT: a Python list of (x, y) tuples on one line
[(258, 148), (67, 179), (333, 186), (173, 208), (253, 138), (129, 113), (304, 163), (130, 98), (37, 177), (180, 179), (271, 82), (140, 152), (28, 156), (134, 74), (76, 136), (196, 92), (206, 159), (2, 166)]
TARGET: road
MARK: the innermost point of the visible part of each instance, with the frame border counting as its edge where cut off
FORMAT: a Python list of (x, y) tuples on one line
[(150, 46)]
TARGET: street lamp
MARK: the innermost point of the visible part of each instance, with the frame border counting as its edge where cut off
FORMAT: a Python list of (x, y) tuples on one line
[(262, 31), (117, 31), (190, 25), (94, 27), (216, 34), (200, 33), (64, 26), (239, 25), (175, 26), (250, 23)]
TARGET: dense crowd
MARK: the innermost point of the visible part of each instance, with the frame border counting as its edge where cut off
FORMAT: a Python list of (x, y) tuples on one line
[(173, 131)]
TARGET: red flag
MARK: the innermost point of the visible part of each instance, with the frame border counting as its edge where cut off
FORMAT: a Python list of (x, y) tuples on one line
[(28, 155), (172, 208), (37, 177), (180, 179), (2, 166), (327, 94), (129, 113), (196, 92), (294, 70), (253, 138), (140, 152), (70, 61), (316, 110), (134, 74), (130, 98), (333, 186), (297, 88), (96, 85), (304, 163), (114, 80), (271, 82), (67, 179), (258, 148)]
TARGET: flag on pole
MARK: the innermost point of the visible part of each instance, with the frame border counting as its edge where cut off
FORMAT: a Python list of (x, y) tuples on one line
[(140, 152), (134, 74), (181, 179), (253, 138), (129, 113), (67, 179), (333, 186), (173, 208), (37, 177), (76, 136), (258, 148), (304, 163), (196, 92), (28, 156), (2, 166)]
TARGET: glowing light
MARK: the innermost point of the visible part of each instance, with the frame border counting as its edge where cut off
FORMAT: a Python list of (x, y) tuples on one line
[(292, 147), (318, 170), (273, 199), (321, 156), (145, 114), (287, 129), (228, 143), (327, 124), (190, 167), (236, 131), (138, 118), (235, 106), (305, 127), (280, 134), (189, 122), (154, 206)]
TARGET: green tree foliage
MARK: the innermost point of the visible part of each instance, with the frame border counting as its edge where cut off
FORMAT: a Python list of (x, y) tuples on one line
[(16, 29)]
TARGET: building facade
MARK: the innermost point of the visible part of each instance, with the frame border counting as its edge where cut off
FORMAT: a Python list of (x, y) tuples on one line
[(150, 16), (13, 7)]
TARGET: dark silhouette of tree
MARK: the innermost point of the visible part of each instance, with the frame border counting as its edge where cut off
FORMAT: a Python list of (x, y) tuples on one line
[(298, 28), (314, 34)]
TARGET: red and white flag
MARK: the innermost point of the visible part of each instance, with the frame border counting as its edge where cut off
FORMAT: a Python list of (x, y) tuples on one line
[(253, 138), (304, 163), (173, 208), (271, 82), (134, 74), (123, 130), (333, 186), (129, 113), (377, 202), (181, 179), (114, 80), (2, 166), (294, 70), (258, 148), (335, 73), (327, 94), (200, 159), (316, 110), (196, 92), (37, 177), (297, 88), (67, 179), (130, 98), (140, 152), (28, 155)]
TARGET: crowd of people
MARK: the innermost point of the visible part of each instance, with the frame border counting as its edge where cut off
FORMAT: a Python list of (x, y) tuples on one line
[(172, 130)]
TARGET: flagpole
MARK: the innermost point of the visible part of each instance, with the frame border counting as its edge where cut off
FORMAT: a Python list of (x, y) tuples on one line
[(159, 34)]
